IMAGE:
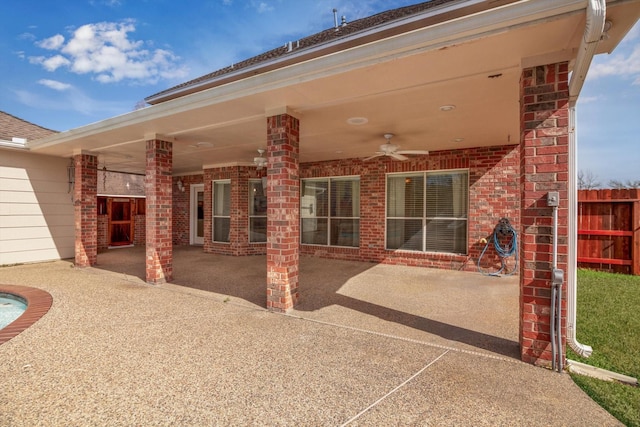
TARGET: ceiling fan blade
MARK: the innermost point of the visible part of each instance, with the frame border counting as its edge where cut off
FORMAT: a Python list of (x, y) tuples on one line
[(374, 156), (398, 156), (412, 152)]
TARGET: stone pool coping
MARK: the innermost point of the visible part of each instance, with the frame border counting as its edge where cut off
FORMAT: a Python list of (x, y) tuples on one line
[(38, 304)]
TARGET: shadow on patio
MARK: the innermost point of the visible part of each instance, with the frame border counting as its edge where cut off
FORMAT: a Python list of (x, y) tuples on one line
[(465, 310)]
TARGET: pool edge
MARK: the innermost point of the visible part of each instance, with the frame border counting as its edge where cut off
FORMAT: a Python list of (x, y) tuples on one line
[(38, 304)]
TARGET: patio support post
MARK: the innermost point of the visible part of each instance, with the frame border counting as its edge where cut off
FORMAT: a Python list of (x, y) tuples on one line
[(544, 167), (85, 202), (283, 212), (158, 189)]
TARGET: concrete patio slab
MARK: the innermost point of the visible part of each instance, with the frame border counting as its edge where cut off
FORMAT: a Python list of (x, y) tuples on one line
[(115, 351)]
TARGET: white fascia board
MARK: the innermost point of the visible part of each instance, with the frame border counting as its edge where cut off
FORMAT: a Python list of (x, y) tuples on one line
[(459, 30)]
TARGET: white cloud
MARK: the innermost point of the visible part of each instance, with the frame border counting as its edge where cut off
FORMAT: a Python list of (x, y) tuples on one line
[(263, 7), (51, 43), (105, 50), (619, 65), (55, 62), (54, 84), (27, 36)]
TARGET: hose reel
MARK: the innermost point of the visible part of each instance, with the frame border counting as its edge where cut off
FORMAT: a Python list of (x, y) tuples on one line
[(505, 242)]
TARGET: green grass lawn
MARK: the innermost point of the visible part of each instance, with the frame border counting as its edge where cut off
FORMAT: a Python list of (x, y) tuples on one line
[(608, 319)]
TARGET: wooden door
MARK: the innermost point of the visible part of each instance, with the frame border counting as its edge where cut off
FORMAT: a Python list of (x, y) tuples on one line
[(120, 213)]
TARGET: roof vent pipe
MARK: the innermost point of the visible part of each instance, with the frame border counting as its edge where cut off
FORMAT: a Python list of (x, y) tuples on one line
[(344, 21), (335, 19)]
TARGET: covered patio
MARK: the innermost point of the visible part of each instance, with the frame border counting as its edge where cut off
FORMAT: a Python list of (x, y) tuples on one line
[(479, 101), (465, 310)]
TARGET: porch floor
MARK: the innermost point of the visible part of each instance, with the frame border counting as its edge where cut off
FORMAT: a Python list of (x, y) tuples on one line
[(367, 345)]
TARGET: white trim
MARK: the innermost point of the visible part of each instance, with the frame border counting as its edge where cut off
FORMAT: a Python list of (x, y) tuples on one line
[(193, 214)]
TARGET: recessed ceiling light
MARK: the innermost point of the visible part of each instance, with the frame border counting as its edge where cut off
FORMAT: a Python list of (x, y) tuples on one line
[(338, 151), (356, 121), (447, 107), (458, 139)]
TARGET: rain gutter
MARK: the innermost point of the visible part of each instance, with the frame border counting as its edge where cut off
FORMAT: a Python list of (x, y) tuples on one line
[(593, 32)]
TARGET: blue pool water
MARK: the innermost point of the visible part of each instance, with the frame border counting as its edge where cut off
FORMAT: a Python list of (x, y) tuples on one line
[(11, 307)]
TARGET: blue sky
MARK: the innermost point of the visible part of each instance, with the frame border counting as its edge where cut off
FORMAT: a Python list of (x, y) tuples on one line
[(68, 64)]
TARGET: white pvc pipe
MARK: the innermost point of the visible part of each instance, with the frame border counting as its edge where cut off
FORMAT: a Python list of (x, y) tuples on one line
[(572, 261)]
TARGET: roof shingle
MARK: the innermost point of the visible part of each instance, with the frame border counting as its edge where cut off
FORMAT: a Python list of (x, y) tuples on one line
[(13, 127)]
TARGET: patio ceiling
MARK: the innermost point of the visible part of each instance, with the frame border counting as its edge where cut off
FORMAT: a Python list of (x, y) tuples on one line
[(398, 84)]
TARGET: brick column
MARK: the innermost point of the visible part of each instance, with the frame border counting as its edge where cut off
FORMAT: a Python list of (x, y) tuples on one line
[(283, 212), (159, 218), (544, 149), (85, 203)]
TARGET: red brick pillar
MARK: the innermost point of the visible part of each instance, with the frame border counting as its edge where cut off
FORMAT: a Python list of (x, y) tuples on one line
[(85, 201), (159, 218), (544, 149), (283, 212)]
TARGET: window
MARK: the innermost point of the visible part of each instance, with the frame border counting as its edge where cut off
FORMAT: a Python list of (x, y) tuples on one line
[(427, 211), (257, 211), (330, 211), (221, 210)]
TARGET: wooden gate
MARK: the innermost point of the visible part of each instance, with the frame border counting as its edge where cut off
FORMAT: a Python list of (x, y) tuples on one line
[(121, 231), (609, 230)]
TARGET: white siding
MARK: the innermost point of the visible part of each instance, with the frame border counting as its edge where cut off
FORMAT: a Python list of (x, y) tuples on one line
[(36, 210)]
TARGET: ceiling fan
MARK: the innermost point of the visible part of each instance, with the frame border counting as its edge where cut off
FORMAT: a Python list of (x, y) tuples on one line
[(392, 150), (260, 162)]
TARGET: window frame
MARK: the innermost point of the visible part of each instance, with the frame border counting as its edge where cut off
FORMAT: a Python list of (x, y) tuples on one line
[(424, 218), (328, 180), (213, 210), (251, 215)]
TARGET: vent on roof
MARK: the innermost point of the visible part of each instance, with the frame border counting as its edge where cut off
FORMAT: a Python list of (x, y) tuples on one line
[(335, 20)]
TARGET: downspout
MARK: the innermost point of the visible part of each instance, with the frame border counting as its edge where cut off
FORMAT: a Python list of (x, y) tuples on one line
[(593, 32)]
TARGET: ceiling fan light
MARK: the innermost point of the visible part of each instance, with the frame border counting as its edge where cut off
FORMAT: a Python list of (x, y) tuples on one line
[(388, 148)]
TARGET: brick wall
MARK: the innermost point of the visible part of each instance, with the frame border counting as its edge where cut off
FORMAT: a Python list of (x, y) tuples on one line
[(103, 231), (140, 230), (283, 211), (239, 233), (85, 201), (493, 193), (544, 165), (159, 207), (181, 208)]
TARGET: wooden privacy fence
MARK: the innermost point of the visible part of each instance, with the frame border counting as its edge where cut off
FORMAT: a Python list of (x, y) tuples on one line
[(609, 230)]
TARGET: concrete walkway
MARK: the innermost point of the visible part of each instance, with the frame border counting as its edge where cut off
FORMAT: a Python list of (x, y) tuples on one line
[(368, 345)]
